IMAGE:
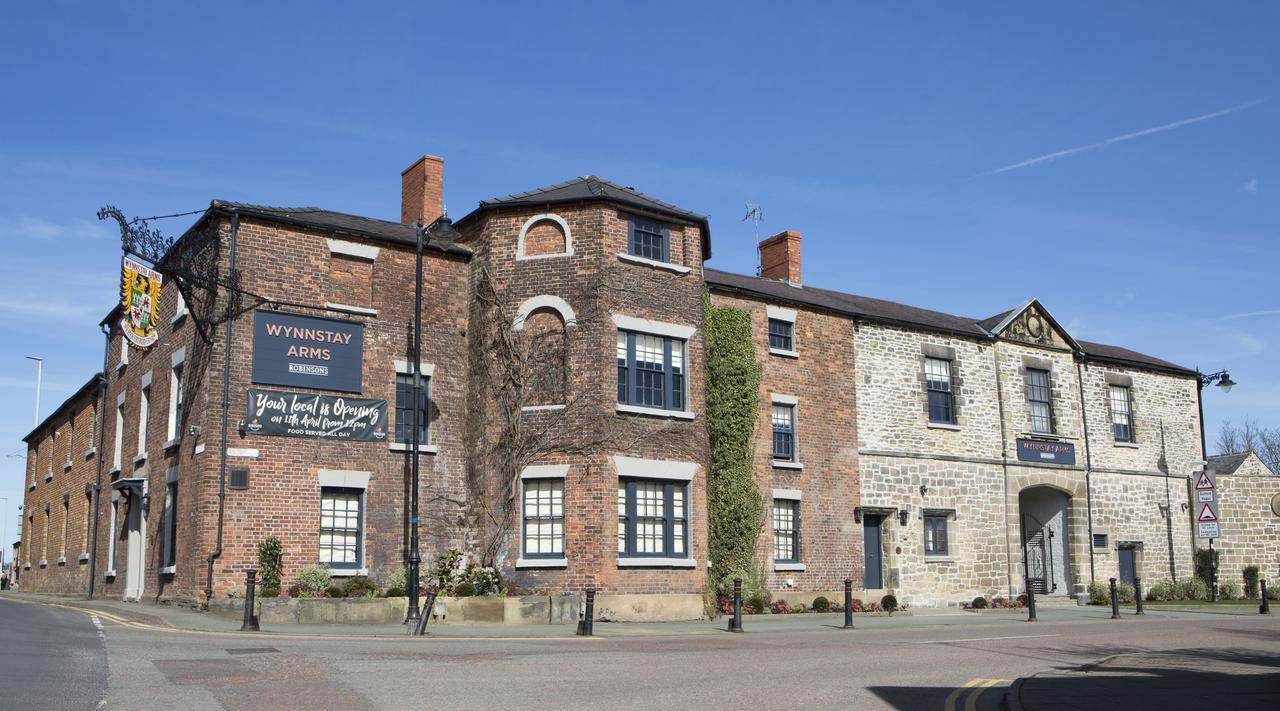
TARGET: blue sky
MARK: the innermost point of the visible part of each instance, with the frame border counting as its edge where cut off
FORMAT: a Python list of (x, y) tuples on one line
[(876, 131)]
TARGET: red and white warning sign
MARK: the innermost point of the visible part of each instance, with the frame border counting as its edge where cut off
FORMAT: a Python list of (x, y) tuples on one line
[(1205, 482), (1207, 514)]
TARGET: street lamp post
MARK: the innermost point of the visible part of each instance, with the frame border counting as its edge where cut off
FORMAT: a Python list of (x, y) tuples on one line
[(1222, 380), (442, 228)]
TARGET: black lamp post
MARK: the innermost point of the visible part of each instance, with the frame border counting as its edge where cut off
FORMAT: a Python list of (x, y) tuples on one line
[(441, 229), (1222, 380)]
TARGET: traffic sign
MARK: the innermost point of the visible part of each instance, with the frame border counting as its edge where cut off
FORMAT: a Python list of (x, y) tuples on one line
[(1209, 530), (1204, 496), (1206, 481), (1207, 513)]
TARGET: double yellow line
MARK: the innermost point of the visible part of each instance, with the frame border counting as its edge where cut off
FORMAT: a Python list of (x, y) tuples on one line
[(975, 687)]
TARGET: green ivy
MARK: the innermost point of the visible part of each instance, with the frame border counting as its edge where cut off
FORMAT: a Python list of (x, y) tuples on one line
[(270, 555), (733, 398)]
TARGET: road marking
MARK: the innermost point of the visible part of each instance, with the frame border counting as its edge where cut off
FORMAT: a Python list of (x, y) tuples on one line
[(954, 696), (971, 703), (985, 639)]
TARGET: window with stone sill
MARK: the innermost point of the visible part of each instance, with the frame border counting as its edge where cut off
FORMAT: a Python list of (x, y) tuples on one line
[(651, 371), (942, 406), (543, 518), (1121, 413), (647, 239), (1040, 400), (935, 534), (780, 334), (786, 531), (652, 519)]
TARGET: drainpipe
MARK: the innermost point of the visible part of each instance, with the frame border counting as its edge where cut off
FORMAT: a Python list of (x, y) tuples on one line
[(1088, 463), (226, 384), (97, 484), (1004, 463)]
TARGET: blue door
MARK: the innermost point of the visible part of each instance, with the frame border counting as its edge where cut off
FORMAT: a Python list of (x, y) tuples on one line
[(872, 570)]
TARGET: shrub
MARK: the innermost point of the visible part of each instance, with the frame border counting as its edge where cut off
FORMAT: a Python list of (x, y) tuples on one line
[(1021, 600), (979, 603), (998, 601), (1125, 593), (313, 579), (1202, 564), (1251, 581), (1099, 594), (781, 608), (483, 578), (360, 586), (1229, 590), (858, 606), (334, 591), (1160, 590), (270, 554), (873, 607), (889, 603), (446, 570), (758, 601), (1193, 589), (1273, 594), (821, 604), (464, 590)]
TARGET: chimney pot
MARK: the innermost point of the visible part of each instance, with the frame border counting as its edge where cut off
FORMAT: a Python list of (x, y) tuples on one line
[(780, 257), (422, 191)]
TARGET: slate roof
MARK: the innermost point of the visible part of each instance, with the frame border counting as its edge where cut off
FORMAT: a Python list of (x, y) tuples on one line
[(92, 383), (591, 187), (893, 313), (1227, 463), (338, 222)]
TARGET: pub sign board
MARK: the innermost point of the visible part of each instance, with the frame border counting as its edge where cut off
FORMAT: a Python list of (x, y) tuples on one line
[(271, 412), (307, 352), (1040, 451)]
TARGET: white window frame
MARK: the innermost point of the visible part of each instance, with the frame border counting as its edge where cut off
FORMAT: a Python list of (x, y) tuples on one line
[(544, 472), (346, 479), (144, 417), (180, 310), (777, 313), (666, 330), (169, 551), (177, 380), (794, 495), (405, 367), (792, 402), (117, 461), (661, 469), (111, 534)]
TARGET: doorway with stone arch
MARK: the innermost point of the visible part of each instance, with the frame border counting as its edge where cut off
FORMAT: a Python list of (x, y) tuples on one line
[(1044, 517)]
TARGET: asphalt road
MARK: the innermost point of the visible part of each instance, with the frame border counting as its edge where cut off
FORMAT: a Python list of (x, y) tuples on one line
[(964, 661), (50, 659)]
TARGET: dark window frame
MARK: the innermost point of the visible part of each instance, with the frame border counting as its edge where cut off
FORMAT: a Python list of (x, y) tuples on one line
[(784, 434), (525, 519), (404, 410), (781, 334), (1041, 393), (171, 524), (790, 536), (669, 519), (648, 239), (672, 384), (941, 393), (359, 529), (937, 525)]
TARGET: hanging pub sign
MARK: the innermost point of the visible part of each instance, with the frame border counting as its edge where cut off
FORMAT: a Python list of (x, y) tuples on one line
[(307, 352), (270, 412), (1035, 450), (139, 302)]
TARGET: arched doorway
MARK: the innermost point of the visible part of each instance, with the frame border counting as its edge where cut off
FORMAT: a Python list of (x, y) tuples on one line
[(1043, 515)]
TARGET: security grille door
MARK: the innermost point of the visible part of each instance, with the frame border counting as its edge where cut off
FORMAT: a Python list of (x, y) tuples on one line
[(1037, 563)]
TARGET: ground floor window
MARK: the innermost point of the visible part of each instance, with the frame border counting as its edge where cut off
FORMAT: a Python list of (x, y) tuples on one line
[(786, 531), (544, 518), (171, 525), (341, 527), (652, 518), (935, 534)]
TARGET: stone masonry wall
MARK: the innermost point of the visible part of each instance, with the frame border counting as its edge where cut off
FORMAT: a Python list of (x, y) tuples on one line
[(1249, 522)]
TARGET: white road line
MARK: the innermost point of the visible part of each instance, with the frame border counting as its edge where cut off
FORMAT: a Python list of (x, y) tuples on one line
[(985, 639)]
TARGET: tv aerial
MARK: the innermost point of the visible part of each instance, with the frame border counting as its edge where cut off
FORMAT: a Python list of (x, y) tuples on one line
[(755, 214)]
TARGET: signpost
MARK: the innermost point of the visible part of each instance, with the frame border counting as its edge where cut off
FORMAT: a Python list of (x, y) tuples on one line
[(1207, 521), (307, 351)]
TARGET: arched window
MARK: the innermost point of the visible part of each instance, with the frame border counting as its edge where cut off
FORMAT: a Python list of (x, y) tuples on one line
[(546, 365), (545, 235)]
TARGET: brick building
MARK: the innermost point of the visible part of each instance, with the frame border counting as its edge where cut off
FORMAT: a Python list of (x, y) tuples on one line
[(563, 437)]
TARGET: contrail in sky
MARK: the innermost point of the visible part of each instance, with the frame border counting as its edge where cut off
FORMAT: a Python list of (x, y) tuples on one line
[(1120, 139)]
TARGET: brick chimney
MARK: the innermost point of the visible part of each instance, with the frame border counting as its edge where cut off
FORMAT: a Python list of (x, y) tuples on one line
[(780, 257), (422, 191)]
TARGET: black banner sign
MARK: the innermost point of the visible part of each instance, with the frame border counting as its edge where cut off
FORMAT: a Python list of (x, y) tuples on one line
[(269, 412), (307, 352), (1034, 450)]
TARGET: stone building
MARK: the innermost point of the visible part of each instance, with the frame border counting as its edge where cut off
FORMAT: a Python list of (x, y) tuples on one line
[(1249, 508), (563, 437), (987, 451)]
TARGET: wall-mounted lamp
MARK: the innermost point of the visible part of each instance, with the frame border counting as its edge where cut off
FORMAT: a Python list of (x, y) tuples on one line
[(241, 430), (1164, 510), (857, 514), (903, 514), (146, 502), (924, 488)]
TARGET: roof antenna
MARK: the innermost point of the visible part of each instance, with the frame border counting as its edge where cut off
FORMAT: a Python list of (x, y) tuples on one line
[(755, 214)]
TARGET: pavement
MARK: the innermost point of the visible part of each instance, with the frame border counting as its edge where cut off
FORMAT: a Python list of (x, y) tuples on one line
[(1073, 658)]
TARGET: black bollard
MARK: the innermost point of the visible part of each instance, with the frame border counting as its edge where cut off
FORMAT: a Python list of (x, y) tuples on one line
[(1115, 601), (735, 622), (1137, 595), (250, 619), (420, 626), (1265, 607), (585, 625), (1031, 602), (848, 603)]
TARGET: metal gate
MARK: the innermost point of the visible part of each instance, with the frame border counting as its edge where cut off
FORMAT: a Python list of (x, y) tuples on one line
[(1039, 555)]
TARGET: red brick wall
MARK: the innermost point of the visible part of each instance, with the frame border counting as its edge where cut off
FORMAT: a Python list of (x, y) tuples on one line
[(826, 439)]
